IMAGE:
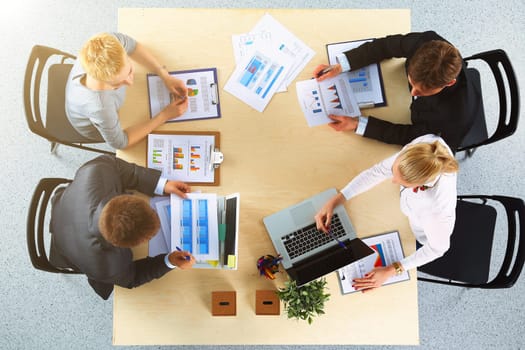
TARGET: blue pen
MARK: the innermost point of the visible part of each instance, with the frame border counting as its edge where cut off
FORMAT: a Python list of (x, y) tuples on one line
[(187, 257), (337, 239)]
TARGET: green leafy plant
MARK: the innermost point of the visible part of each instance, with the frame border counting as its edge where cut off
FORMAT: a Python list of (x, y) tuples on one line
[(305, 302)]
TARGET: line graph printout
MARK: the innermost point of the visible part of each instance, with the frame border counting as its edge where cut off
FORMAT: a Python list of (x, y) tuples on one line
[(331, 96)]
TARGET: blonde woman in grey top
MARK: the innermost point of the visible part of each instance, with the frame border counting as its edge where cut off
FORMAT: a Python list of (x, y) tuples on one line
[(96, 89)]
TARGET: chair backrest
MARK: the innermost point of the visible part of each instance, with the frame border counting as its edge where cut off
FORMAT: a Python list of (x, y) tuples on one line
[(38, 59), (467, 262), (55, 127), (500, 65), (36, 232)]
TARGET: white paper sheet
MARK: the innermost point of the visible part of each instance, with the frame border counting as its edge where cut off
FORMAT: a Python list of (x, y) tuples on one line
[(366, 81), (203, 98), (182, 157), (387, 249), (330, 96), (157, 245), (286, 42), (194, 225), (256, 79)]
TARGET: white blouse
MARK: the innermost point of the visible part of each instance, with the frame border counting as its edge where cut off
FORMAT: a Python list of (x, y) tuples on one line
[(431, 213)]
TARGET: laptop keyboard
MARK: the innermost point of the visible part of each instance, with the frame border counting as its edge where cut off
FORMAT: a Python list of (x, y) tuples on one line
[(308, 238)]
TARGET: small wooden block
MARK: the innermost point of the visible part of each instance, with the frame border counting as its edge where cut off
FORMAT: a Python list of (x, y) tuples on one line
[(223, 303), (267, 303)]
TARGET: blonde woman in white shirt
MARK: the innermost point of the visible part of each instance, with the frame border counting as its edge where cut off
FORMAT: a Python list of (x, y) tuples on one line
[(426, 171)]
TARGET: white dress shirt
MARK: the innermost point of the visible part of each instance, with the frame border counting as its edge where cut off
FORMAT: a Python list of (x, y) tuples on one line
[(431, 213)]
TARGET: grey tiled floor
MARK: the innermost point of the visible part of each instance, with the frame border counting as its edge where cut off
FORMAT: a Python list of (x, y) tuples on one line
[(45, 311)]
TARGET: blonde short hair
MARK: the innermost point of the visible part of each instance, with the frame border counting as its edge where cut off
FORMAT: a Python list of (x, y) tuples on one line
[(103, 57), (423, 162)]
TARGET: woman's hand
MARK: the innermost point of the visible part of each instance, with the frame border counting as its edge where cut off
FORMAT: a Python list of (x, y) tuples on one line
[(374, 279), (324, 216)]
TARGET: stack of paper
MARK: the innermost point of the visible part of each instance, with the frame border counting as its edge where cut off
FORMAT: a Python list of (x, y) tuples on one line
[(268, 59)]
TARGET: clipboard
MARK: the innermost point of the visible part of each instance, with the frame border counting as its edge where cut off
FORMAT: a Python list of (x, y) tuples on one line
[(387, 247), (203, 94), (193, 157), (367, 82)]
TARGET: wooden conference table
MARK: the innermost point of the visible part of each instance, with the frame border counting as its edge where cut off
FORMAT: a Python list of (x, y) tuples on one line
[(274, 160)]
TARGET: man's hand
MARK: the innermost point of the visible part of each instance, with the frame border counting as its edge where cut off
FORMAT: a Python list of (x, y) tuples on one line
[(177, 187), (343, 122), (330, 71), (183, 260)]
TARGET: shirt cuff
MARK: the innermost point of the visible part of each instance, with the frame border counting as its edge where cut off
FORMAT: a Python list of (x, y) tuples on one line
[(167, 262), (361, 126), (343, 61), (159, 190)]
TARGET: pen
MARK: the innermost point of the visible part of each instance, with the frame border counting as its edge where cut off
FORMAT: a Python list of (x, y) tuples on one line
[(324, 71), (337, 239), (187, 257)]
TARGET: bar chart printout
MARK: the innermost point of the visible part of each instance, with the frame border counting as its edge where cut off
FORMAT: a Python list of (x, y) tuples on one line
[(194, 225), (182, 157)]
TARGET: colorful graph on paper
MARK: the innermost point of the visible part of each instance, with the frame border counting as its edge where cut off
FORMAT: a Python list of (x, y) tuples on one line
[(380, 260)]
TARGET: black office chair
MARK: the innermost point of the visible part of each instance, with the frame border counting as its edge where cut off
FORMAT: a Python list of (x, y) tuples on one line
[(36, 232), (56, 128), (467, 262), (499, 63)]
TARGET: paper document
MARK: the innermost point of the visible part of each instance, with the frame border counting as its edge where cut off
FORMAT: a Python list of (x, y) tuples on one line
[(366, 82), (256, 79), (203, 96), (194, 226), (286, 42), (387, 247), (246, 45), (330, 96), (157, 245), (182, 157), (225, 232)]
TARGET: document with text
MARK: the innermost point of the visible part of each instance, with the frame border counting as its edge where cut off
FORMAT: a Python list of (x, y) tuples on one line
[(366, 82), (256, 79), (184, 156), (330, 96), (388, 249), (203, 94)]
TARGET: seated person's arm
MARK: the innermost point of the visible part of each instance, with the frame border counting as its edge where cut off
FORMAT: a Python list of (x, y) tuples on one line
[(139, 131), (142, 56)]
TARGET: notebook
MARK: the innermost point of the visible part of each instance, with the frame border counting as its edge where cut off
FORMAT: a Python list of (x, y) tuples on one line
[(308, 253)]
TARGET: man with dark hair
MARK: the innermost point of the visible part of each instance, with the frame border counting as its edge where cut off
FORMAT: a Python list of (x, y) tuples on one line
[(445, 101), (94, 223)]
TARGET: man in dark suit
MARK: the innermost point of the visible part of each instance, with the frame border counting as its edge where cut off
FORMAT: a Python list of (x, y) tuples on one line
[(94, 223), (445, 101)]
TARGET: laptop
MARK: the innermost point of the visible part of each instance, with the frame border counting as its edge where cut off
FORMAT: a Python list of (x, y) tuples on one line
[(308, 253)]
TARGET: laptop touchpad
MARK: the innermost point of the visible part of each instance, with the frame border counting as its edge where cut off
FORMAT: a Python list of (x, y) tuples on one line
[(303, 214)]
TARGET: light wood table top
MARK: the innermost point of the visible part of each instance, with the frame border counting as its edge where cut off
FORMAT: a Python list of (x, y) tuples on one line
[(274, 160)]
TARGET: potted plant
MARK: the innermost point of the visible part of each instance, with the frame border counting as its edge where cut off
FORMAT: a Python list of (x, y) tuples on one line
[(305, 302)]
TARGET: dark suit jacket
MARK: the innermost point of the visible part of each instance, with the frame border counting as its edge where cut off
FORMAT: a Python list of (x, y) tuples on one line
[(74, 225), (450, 113)]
